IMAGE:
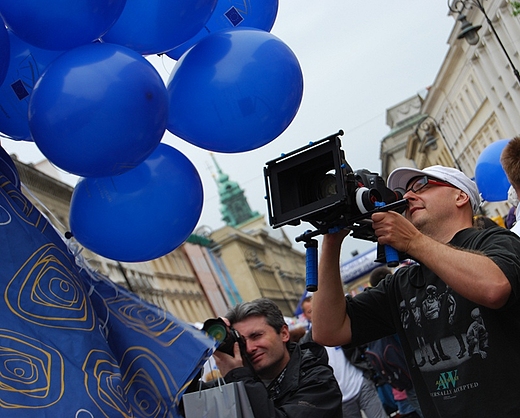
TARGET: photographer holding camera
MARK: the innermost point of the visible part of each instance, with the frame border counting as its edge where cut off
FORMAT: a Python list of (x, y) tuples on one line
[(282, 379), (479, 270)]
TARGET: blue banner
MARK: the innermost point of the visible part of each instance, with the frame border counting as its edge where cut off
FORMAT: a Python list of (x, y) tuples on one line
[(73, 343)]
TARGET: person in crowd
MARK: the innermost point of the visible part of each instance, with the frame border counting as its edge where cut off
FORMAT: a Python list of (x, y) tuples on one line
[(510, 160), (479, 268), (359, 392), (296, 334), (405, 399), (510, 218), (282, 378), (481, 222)]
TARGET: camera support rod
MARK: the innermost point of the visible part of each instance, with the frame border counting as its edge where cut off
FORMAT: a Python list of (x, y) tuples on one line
[(307, 235), (311, 244)]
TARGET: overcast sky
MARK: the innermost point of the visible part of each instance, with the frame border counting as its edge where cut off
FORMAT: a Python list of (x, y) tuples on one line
[(358, 58)]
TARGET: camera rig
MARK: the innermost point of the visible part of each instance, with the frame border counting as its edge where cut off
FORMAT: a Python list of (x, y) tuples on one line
[(315, 184)]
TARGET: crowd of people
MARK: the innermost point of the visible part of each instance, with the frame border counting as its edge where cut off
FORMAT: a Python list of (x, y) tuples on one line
[(357, 386), (452, 314)]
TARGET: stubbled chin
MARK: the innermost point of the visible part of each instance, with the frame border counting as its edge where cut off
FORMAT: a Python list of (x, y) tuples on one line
[(415, 217), (257, 360), (411, 213)]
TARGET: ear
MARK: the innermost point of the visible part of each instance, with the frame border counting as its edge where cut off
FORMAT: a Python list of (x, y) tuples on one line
[(462, 199), (284, 333)]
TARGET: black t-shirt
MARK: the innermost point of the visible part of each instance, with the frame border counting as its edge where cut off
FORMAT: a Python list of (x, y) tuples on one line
[(464, 358)]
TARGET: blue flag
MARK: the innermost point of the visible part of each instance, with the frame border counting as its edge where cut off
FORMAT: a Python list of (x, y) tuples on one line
[(74, 344)]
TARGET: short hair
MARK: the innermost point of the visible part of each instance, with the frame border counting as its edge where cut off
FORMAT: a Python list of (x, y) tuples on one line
[(378, 274), (306, 299), (262, 307), (510, 160), (483, 222)]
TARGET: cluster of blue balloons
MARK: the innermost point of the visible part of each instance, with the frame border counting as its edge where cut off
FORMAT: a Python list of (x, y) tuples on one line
[(491, 179), (74, 79)]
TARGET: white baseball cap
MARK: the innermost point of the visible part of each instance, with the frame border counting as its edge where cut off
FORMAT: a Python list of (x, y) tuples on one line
[(400, 177)]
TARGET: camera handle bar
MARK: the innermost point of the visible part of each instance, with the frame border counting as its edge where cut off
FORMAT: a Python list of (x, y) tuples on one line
[(311, 244), (391, 254), (311, 265)]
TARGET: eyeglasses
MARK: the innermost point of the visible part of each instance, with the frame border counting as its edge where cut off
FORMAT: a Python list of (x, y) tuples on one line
[(419, 183)]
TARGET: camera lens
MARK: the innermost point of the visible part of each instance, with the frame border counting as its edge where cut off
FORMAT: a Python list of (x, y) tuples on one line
[(216, 329), (366, 198), (327, 186), (225, 336)]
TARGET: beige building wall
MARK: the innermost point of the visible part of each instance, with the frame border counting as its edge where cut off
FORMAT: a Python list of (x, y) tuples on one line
[(263, 263), (475, 97), (402, 120), (474, 100)]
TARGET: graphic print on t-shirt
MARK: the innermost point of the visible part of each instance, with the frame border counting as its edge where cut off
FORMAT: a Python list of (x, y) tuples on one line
[(445, 335)]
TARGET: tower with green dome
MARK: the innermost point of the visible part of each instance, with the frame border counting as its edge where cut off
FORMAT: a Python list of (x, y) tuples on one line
[(234, 207)]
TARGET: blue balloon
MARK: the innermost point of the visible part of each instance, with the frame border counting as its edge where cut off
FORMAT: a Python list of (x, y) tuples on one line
[(98, 110), (236, 90), (4, 51), (259, 14), (491, 179), (142, 214), (156, 26), (26, 64), (60, 24)]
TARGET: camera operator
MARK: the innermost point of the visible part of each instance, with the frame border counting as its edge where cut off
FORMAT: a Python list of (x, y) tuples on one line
[(479, 269), (282, 379)]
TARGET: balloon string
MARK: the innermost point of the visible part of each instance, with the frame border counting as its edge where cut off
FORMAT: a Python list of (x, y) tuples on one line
[(164, 65), (2, 135), (74, 246)]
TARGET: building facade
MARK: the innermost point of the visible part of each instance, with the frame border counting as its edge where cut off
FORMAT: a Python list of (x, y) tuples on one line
[(402, 119), (473, 101)]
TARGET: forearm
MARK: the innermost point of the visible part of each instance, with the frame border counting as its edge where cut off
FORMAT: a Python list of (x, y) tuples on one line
[(470, 274), (331, 325), (473, 275)]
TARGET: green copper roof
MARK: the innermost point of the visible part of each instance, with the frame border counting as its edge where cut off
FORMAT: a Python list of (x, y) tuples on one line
[(233, 204), (405, 124)]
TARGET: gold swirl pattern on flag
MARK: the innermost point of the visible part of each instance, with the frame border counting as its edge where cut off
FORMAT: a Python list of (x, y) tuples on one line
[(31, 372), (47, 291), (144, 384), (104, 384), (22, 206), (149, 321), (5, 217)]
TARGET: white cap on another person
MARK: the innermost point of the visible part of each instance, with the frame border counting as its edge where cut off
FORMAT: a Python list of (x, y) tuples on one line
[(400, 177)]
